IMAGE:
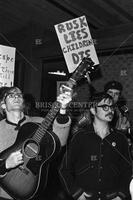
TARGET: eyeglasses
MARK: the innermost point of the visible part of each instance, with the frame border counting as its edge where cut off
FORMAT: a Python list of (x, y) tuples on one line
[(106, 107), (14, 95)]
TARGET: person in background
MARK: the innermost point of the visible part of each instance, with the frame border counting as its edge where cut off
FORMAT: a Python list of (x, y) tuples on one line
[(121, 115), (80, 113), (12, 103), (2, 90), (97, 164), (30, 105)]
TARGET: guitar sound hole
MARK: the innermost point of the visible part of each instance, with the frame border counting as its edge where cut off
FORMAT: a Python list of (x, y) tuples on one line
[(31, 149)]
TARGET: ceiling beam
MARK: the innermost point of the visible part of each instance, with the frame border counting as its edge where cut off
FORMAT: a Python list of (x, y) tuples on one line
[(112, 31), (75, 11), (119, 9)]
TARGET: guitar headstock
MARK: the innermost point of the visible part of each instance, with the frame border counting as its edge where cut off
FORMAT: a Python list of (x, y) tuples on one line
[(86, 66)]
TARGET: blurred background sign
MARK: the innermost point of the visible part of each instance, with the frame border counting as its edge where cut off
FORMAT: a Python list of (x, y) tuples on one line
[(7, 63)]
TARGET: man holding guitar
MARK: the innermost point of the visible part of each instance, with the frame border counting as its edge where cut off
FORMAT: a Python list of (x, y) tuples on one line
[(13, 105)]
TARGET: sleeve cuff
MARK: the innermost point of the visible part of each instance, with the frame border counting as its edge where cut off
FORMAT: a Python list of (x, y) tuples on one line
[(62, 118)]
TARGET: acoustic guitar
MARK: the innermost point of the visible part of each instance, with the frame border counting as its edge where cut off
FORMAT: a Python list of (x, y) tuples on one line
[(39, 146)]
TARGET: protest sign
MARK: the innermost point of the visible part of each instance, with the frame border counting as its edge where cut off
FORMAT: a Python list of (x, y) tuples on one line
[(76, 42), (7, 63)]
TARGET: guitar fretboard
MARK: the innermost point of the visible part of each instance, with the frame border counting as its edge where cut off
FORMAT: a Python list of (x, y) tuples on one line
[(77, 75), (44, 126)]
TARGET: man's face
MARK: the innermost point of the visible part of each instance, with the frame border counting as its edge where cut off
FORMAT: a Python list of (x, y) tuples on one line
[(114, 93), (14, 101), (104, 111)]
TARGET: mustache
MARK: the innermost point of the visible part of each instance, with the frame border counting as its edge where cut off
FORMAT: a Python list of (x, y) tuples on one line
[(109, 114)]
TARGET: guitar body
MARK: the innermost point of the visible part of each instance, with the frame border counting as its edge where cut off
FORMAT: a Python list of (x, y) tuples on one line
[(26, 180)]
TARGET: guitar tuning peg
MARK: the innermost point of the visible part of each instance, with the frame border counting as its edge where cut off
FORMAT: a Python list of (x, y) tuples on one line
[(88, 77)]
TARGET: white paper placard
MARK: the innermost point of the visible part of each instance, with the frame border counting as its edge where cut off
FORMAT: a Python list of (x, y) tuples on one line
[(7, 63), (76, 42)]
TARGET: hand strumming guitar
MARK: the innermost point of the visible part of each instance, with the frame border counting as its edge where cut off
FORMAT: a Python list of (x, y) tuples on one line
[(14, 159)]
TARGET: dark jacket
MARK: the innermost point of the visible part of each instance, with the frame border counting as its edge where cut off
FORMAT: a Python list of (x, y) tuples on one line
[(95, 165)]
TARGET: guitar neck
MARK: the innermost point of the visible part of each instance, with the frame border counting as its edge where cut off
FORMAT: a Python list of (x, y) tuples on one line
[(77, 75), (45, 125)]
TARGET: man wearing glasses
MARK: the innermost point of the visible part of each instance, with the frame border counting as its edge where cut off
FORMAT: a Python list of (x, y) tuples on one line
[(13, 105), (97, 163)]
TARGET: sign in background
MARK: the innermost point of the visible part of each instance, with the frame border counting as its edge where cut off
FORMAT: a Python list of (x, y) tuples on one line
[(76, 42), (7, 63)]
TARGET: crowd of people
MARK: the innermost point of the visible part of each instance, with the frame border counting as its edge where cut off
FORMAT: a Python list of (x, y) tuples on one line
[(93, 160)]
